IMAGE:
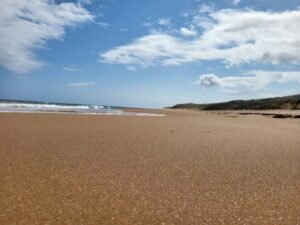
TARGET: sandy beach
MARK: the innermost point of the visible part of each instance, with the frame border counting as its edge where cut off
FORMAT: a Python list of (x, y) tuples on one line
[(185, 168)]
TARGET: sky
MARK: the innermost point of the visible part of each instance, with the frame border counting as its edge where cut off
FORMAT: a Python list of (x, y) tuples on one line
[(150, 53)]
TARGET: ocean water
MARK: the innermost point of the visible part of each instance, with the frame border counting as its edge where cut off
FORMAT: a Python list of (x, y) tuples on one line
[(45, 107)]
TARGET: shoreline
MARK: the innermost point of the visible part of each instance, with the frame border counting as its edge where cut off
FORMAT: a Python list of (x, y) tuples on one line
[(139, 112), (123, 113)]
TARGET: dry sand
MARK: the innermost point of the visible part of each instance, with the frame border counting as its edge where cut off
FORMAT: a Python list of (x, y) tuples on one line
[(185, 168)]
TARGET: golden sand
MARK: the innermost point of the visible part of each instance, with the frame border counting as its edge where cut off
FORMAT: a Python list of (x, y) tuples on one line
[(185, 168)]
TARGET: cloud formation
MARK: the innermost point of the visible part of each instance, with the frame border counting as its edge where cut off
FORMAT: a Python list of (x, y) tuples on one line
[(188, 31), (82, 84), (256, 80), (234, 37), (27, 25)]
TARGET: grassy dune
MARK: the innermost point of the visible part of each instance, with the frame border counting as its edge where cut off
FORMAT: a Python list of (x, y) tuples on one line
[(287, 102)]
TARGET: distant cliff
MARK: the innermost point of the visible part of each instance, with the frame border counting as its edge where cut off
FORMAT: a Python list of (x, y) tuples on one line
[(287, 102)]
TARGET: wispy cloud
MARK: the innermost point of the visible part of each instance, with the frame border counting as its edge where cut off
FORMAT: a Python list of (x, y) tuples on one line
[(86, 2), (164, 21), (147, 24), (27, 25), (124, 29), (204, 8), (131, 68), (71, 68), (102, 24), (82, 84), (150, 22), (144, 52), (234, 37), (236, 2)]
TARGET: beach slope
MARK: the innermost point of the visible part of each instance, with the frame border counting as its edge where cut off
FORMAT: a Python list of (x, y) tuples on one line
[(185, 168)]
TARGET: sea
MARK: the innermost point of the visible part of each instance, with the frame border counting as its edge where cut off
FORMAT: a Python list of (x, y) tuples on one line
[(21, 106)]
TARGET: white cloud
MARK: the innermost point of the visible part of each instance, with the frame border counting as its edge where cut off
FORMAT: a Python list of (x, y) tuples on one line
[(71, 68), (208, 80), (144, 51), (82, 84), (188, 32), (256, 80), (234, 37), (27, 25)]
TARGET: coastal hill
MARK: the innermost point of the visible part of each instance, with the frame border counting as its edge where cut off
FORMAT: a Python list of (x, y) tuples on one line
[(288, 102)]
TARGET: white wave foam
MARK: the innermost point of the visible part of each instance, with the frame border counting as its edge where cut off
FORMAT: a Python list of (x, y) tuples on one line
[(81, 109), (97, 107), (28, 106)]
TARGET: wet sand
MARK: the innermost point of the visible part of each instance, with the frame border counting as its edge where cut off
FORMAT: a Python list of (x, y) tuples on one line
[(184, 168)]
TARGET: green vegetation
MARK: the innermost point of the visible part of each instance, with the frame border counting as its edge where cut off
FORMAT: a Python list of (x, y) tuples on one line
[(288, 102)]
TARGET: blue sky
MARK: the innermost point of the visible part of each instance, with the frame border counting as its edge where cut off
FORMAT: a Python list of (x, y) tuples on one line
[(148, 53)]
